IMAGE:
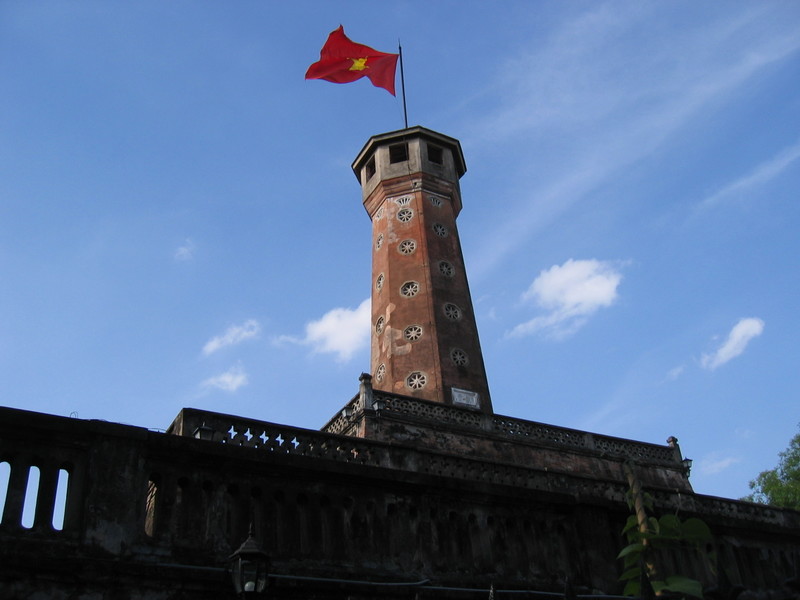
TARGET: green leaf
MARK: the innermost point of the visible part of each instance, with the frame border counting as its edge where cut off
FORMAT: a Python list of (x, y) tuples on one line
[(695, 530), (629, 499), (670, 526), (631, 523), (632, 588), (659, 542), (633, 573), (632, 560), (637, 547), (654, 525), (682, 585), (658, 586)]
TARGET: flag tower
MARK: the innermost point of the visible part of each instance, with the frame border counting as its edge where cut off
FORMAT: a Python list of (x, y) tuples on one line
[(424, 340)]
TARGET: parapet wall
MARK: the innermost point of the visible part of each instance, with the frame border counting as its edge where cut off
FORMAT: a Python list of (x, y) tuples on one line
[(401, 419), (155, 515)]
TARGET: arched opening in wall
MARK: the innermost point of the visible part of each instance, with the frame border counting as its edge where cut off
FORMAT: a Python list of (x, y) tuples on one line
[(31, 496), (5, 477), (325, 525), (204, 515), (257, 512), (151, 516), (302, 531), (234, 515), (60, 505), (181, 492), (182, 513)]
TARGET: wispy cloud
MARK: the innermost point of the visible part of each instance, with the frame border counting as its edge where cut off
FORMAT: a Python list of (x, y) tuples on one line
[(229, 381), (715, 463), (340, 331), (762, 174), (736, 342), (571, 293), (674, 373), (185, 251), (235, 334), (607, 107)]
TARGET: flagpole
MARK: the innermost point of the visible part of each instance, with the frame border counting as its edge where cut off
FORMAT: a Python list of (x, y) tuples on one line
[(402, 83)]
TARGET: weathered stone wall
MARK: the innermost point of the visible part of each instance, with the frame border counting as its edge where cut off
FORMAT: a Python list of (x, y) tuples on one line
[(505, 440), (323, 505)]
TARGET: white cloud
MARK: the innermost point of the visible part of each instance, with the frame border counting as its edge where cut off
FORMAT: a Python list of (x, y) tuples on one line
[(714, 463), (571, 293), (229, 381), (741, 334), (185, 251), (760, 175), (235, 334), (340, 331)]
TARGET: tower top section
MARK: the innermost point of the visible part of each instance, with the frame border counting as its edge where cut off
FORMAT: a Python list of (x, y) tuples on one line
[(408, 151)]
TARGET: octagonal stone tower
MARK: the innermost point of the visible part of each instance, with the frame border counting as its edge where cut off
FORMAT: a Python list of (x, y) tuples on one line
[(424, 338)]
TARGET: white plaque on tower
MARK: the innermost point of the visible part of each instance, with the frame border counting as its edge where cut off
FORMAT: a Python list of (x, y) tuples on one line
[(465, 398)]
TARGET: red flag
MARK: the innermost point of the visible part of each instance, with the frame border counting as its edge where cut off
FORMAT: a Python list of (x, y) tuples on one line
[(342, 61)]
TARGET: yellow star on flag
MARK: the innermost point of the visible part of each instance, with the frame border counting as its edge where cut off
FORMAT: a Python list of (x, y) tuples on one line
[(359, 64)]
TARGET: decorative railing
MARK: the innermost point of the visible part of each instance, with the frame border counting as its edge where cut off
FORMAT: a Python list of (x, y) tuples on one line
[(180, 503), (540, 432), (497, 425), (55, 445), (282, 439), (431, 411), (343, 423)]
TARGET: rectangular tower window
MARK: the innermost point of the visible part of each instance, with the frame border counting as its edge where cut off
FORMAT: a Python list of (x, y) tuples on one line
[(369, 170), (398, 153), (435, 154)]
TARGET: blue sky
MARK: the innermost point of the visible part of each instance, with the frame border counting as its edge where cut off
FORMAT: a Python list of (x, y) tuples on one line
[(179, 225)]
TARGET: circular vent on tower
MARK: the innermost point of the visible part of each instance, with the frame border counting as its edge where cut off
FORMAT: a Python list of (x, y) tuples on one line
[(407, 247), (412, 333), (437, 202), (404, 215), (379, 325), (409, 289), (446, 269), (379, 242), (452, 312), (440, 230), (403, 201), (459, 357), (379, 282), (416, 380), (380, 372)]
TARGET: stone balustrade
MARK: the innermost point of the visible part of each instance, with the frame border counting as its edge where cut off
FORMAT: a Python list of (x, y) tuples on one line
[(322, 500), (518, 430), (70, 446)]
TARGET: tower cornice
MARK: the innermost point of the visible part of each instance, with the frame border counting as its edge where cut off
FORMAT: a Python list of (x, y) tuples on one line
[(405, 134)]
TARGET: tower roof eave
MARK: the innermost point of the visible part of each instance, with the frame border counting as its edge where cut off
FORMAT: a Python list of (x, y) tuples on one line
[(411, 132)]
